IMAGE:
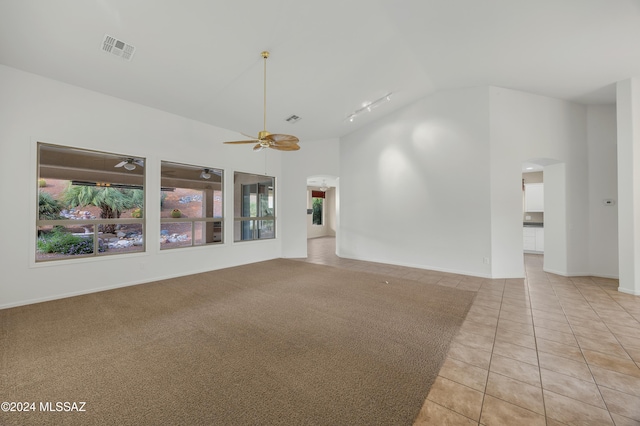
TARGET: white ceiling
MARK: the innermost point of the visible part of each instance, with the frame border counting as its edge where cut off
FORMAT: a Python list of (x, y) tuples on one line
[(201, 58)]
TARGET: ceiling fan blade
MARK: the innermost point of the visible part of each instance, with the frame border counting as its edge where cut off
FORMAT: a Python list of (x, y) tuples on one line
[(282, 139), (292, 147), (238, 142), (139, 162), (258, 147), (120, 164)]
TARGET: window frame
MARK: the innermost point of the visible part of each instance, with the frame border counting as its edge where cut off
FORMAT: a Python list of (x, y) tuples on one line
[(61, 162), (205, 220), (257, 224)]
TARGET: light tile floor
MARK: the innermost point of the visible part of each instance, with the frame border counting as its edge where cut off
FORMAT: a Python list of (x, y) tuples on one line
[(544, 350)]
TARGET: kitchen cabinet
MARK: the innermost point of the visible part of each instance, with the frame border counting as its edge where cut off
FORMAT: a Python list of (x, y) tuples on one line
[(529, 239), (539, 240), (533, 239), (534, 197)]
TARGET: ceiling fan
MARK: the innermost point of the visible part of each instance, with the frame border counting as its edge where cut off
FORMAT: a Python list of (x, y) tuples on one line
[(130, 163), (265, 139)]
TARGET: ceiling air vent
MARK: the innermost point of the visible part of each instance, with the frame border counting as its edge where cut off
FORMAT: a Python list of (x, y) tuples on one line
[(117, 47), (293, 119)]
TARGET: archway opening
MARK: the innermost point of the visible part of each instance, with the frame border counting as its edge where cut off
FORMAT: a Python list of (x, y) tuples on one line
[(322, 206), (544, 212)]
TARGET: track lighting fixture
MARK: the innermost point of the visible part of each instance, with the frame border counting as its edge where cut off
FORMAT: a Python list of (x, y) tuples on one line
[(369, 106)]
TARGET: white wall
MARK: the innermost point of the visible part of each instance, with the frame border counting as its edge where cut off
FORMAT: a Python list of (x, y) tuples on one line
[(525, 127), (628, 157), (414, 186), (556, 249), (603, 185), (437, 185), (37, 109), (331, 212), (314, 158)]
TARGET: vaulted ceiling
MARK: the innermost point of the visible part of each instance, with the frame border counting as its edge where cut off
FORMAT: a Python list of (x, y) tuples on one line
[(201, 58)]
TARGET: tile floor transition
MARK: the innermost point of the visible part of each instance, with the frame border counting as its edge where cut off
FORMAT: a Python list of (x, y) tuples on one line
[(542, 350)]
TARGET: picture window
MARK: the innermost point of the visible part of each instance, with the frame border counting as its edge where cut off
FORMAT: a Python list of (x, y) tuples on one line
[(90, 203), (191, 212), (254, 207)]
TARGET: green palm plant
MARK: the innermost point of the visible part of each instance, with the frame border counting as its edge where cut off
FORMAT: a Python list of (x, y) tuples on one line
[(48, 207), (136, 195), (317, 211), (111, 201)]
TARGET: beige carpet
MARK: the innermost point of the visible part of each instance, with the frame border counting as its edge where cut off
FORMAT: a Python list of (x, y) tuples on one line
[(276, 342)]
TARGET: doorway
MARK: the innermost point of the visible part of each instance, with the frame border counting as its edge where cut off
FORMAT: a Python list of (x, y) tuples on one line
[(553, 218), (322, 202), (533, 208)]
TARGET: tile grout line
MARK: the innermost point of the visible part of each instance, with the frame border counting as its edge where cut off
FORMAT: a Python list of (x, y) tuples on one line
[(535, 340), (605, 323), (580, 346), (588, 364), (495, 336)]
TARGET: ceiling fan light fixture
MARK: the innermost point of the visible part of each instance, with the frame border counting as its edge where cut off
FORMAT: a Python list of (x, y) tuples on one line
[(324, 186), (130, 163), (205, 174)]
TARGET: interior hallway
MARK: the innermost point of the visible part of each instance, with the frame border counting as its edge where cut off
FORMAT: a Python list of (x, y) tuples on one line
[(542, 350)]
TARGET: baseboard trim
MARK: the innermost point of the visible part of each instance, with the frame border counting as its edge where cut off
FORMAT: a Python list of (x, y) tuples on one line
[(611, 277), (626, 291), (580, 274), (111, 287), (569, 274), (425, 267)]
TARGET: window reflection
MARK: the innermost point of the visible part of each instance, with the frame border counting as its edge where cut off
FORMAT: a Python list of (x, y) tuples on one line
[(254, 207), (191, 212), (90, 203)]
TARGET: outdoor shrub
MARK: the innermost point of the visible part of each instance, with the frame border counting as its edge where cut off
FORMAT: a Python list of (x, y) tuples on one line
[(175, 213), (59, 241), (136, 213), (85, 246), (42, 183)]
